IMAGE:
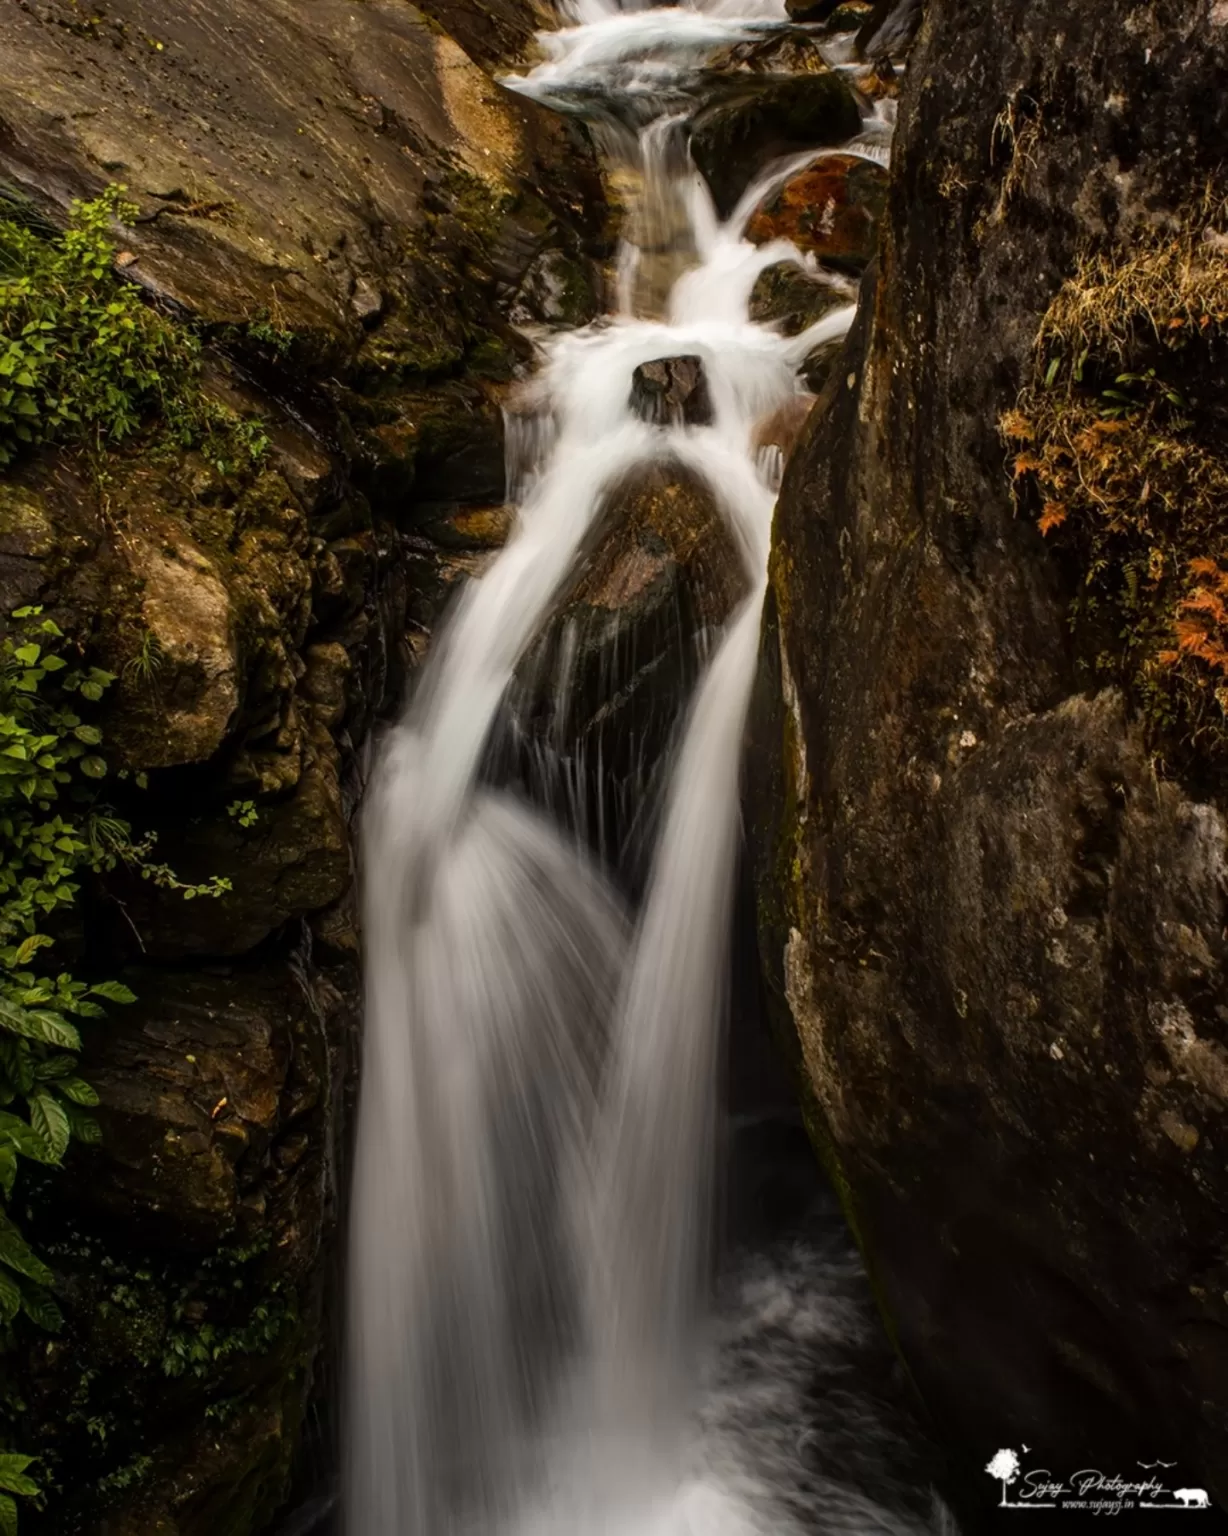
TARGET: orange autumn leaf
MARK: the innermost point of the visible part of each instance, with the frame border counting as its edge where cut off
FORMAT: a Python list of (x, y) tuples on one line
[(1025, 463), (1053, 516), (1015, 425), (1208, 602)]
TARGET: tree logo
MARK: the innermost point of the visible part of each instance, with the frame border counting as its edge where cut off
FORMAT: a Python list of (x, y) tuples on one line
[(1005, 1467)]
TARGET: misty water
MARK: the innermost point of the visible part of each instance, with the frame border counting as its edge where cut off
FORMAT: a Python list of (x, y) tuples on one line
[(545, 1336)]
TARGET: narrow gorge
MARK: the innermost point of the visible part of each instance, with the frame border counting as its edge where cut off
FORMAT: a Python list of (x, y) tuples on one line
[(614, 664)]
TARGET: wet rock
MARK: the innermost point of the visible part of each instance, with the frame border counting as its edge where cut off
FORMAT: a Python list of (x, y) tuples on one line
[(475, 528), (438, 448), (733, 139), (888, 33), (792, 298), (598, 697), (783, 427), (785, 52), (672, 391), (293, 860), (830, 210), (810, 11), (187, 654), (557, 290), (994, 933), (848, 17)]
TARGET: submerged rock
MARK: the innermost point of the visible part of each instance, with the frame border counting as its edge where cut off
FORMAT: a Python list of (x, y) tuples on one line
[(672, 391), (994, 931), (735, 138)]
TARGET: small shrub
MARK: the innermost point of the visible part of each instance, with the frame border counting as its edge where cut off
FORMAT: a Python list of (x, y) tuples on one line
[(54, 828), (1118, 451), (85, 360)]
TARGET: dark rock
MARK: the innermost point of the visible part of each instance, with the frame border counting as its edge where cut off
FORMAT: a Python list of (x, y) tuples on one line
[(888, 33), (792, 299), (672, 391), (997, 933), (830, 210), (734, 139), (189, 1258), (849, 17), (809, 11), (598, 697)]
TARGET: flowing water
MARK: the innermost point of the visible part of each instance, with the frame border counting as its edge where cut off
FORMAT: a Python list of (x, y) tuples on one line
[(534, 1344)]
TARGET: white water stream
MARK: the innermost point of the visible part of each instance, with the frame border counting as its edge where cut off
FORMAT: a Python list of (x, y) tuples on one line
[(530, 1345)]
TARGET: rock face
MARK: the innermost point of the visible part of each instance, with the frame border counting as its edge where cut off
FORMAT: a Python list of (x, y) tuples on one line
[(998, 933), (345, 207)]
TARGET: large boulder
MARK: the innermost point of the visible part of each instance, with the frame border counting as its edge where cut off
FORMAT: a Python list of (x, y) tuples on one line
[(598, 697), (992, 902), (770, 116), (830, 210)]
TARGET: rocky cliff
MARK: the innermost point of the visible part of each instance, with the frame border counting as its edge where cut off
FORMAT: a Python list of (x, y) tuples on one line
[(341, 210), (988, 798)]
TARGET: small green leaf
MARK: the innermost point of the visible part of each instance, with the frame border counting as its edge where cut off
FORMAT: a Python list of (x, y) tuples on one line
[(113, 991), (10, 1297), (79, 1091), (50, 1120), (8, 1516), (12, 1474), (38, 1024), (18, 1255), (92, 767), (39, 1307)]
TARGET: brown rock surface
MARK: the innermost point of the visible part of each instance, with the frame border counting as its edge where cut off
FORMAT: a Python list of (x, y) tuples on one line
[(998, 933)]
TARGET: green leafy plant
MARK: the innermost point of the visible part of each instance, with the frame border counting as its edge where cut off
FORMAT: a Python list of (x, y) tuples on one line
[(54, 828), (13, 1480), (85, 360), (244, 812)]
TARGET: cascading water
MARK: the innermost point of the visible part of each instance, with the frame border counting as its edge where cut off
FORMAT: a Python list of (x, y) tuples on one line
[(529, 1343)]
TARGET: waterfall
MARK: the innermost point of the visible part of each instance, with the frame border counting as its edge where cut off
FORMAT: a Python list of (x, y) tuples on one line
[(531, 1227)]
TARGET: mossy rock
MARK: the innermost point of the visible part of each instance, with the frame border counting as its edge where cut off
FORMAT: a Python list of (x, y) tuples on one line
[(733, 139)]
